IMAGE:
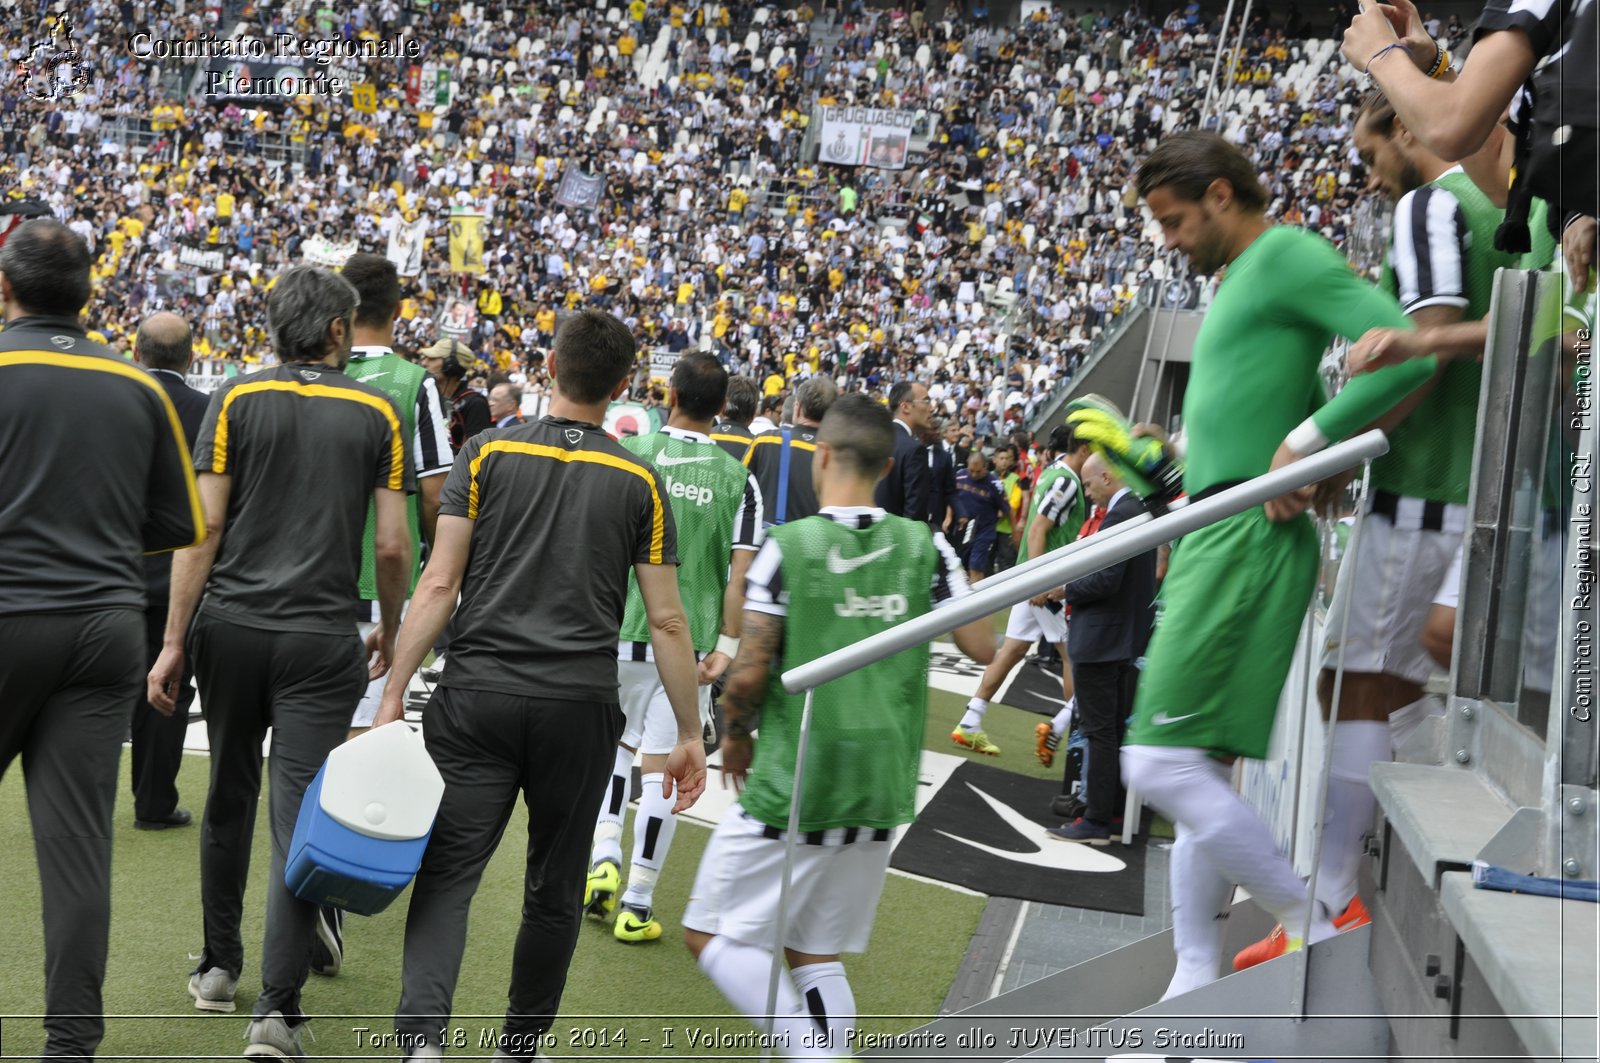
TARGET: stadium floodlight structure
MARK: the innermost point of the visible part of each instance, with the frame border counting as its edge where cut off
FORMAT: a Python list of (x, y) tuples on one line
[(1142, 533)]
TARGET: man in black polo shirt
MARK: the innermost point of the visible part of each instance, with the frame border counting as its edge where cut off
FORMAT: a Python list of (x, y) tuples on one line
[(539, 527), (93, 469), (289, 459), (732, 430), (792, 445)]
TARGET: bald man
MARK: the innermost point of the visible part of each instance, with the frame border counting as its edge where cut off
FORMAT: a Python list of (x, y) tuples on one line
[(163, 346), (1112, 612)]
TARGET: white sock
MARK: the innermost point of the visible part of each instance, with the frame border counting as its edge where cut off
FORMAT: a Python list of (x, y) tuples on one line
[(826, 996), (974, 717), (1403, 722), (1200, 898), (741, 972), (608, 828), (652, 837), (1191, 789), (1063, 721), (1357, 745)]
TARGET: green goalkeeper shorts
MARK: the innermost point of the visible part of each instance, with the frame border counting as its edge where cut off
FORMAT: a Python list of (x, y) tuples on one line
[(1233, 603)]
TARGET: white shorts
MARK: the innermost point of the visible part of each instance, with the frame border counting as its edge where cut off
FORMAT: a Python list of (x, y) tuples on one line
[(1449, 595), (367, 707), (1399, 571), (1030, 623), (650, 726), (833, 894)]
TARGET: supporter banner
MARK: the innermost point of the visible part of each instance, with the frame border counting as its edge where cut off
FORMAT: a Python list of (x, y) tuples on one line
[(321, 251), (661, 366), (866, 136), (220, 80), (631, 419), (466, 242), (441, 89), (1181, 294), (579, 189), (209, 259), (406, 243), (460, 318), (211, 381), (413, 85), (364, 97)]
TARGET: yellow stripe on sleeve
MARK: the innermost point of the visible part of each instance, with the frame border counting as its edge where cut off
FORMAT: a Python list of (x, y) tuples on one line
[(123, 369), (658, 533), (397, 444)]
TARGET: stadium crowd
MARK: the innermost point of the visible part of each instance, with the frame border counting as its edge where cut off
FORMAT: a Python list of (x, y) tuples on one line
[(986, 267)]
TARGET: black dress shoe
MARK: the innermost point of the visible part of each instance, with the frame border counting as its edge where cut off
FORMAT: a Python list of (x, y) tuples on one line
[(180, 817)]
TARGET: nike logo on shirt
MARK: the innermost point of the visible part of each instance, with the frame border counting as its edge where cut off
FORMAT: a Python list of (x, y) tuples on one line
[(838, 564), (662, 459), (1161, 719)]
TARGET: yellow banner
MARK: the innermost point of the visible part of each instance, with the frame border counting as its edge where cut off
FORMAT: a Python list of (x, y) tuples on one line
[(364, 95), (466, 243)]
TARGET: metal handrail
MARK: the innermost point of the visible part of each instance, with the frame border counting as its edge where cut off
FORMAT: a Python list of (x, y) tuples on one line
[(1133, 537), (1079, 559)]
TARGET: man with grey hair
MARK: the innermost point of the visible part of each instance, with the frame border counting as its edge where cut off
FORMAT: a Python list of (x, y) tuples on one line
[(163, 345), (289, 459), (780, 459), (93, 472)]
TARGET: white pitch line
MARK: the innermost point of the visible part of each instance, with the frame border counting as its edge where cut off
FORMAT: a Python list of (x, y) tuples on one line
[(1011, 947)]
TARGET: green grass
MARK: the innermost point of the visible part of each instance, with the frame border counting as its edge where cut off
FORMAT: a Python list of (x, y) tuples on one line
[(156, 925)]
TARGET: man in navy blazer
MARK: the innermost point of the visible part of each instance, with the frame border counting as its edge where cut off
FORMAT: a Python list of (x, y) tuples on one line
[(904, 490), (164, 346), (1112, 613)]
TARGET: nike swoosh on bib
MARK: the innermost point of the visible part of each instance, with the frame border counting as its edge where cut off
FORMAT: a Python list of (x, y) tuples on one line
[(1161, 719), (1055, 858), (663, 459), (838, 564)]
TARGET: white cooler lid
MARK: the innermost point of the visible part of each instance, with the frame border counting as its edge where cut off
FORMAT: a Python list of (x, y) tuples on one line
[(383, 784)]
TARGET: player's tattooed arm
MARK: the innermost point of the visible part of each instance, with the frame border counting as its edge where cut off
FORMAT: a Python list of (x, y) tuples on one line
[(760, 644)]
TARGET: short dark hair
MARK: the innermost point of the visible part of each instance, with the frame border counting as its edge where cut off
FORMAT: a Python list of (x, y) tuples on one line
[(743, 397), (593, 353), (1188, 162), (48, 267), (859, 433), (378, 283), (1063, 440), (813, 397), (161, 346), (901, 392), (700, 385)]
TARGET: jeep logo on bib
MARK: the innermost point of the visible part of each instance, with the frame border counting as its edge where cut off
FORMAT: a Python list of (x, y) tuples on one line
[(700, 496), (883, 607)]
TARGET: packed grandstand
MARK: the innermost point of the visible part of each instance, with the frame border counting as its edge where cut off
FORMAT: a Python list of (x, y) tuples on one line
[(987, 265)]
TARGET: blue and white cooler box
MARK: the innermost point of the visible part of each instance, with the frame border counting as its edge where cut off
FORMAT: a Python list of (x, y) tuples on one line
[(365, 822)]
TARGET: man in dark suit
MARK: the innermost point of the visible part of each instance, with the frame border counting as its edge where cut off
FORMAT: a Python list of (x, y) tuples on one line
[(1112, 611), (163, 346), (904, 491), (941, 478)]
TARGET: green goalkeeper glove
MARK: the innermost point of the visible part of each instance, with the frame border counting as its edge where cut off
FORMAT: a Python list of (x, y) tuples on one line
[(1142, 463)]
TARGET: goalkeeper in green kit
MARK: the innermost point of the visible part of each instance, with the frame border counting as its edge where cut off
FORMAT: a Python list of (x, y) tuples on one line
[(1237, 591), (817, 585)]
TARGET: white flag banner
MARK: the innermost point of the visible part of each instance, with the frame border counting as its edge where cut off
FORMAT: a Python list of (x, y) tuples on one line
[(406, 242), (866, 136), (321, 251)]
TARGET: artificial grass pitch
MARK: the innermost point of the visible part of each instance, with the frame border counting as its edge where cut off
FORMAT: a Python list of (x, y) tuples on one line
[(637, 991)]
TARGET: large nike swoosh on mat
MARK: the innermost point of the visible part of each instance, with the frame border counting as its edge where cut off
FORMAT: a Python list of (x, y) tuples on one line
[(1055, 858)]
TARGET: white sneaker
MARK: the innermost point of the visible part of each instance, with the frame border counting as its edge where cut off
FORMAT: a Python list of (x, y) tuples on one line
[(213, 990), (271, 1037)]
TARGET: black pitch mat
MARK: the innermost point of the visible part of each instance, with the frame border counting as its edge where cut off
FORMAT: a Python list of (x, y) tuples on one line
[(1034, 689), (1019, 859)]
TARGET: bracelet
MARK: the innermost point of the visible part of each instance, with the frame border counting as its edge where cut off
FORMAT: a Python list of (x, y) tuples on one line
[(728, 646), (1380, 53), (1441, 61)]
